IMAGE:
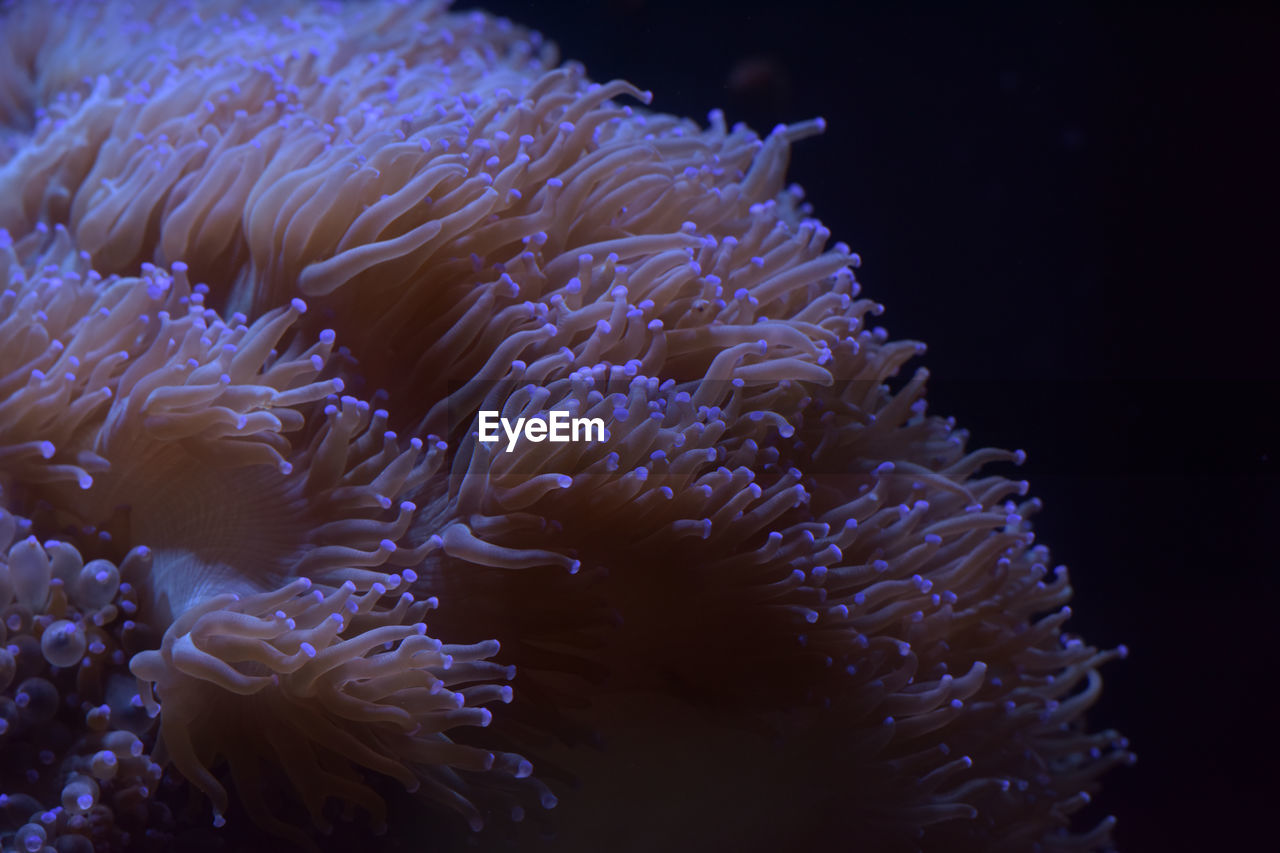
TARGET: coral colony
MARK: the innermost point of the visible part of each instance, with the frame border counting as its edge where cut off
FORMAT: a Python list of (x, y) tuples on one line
[(276, 276)]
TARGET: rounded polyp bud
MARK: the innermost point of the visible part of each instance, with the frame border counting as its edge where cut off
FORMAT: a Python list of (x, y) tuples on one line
[(98, 583), (38, 699), (65, 561), (79, 794), (63, 643), (29, 838), (104, 764), (30, 572)]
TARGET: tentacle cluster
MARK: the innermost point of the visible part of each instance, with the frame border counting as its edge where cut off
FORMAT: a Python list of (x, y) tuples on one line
[(78, 770), (307, 685), (179, 415), (772, 527)]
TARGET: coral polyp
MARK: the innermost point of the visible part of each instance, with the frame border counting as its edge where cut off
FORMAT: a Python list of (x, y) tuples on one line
[(265, 267)]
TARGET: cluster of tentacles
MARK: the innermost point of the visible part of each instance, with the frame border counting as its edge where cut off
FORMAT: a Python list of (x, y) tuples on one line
[(262, 271)]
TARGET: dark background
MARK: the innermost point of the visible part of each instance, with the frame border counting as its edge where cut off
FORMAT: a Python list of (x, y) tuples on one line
[(1072, 205)]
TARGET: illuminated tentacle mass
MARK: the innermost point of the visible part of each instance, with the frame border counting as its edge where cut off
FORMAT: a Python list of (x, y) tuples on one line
[(264, 265)]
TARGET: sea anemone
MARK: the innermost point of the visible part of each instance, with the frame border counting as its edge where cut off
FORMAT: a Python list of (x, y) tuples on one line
[(772, 531)]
